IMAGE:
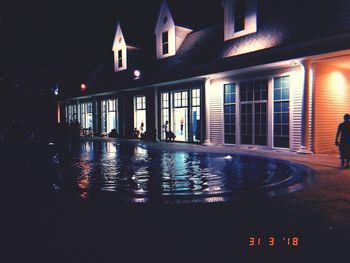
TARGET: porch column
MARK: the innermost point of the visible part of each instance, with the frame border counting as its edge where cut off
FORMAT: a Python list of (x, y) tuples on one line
[(58, 112), (207, 112), (306, 117)]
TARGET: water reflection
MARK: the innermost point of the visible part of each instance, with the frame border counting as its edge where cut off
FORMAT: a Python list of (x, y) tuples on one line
[(142, 174)]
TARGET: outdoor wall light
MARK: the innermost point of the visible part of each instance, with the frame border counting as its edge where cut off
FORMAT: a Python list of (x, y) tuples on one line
[(228, 157), (137, 74), (55, 90), (82, 87)]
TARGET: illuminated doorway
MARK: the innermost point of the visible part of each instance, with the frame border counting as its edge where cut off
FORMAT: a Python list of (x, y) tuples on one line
[(182, 110), (86, 119), (180, 116), (109, 115), (140, 114)]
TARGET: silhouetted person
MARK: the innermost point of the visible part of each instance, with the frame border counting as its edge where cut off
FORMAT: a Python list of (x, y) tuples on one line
[(136, 133), (76, 130), (141, 127), (166, 130), (113, 133), (344, 143)]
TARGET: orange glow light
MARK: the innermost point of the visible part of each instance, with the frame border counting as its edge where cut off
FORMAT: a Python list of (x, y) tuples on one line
[(82, 87)]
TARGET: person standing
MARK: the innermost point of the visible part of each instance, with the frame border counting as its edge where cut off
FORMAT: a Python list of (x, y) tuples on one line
[(182, 125), (344, 143), (141, 127)]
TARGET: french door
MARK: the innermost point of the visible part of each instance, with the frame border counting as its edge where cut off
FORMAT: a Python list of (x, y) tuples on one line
[(253, 112)]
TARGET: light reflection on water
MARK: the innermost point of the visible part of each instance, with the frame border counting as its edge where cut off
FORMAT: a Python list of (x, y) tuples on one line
[(139, 173)]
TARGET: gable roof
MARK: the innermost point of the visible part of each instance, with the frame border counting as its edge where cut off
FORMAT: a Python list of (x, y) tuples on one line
[(205, 51), (118, 38), (164, 13)]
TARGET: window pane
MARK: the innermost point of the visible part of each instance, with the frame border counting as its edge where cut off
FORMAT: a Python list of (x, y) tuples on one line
[(229, 113), (165, 43), (281, 112), (277, 94), (239, 15)]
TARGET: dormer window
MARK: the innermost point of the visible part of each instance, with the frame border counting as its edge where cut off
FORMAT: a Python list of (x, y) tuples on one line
[(240, 18), (165, 43), (120, 58), (120, 51), (169, 37)]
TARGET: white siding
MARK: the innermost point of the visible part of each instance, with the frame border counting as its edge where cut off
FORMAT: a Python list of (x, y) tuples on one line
[(296, 94), (331, 97), (216, 114)]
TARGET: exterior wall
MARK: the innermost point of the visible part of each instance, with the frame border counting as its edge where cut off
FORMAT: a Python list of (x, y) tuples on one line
[(296, 109), (331, 102), (216, 100)]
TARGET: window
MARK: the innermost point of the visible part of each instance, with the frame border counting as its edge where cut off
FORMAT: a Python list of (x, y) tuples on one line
[(72, 113), (165, 111), (253, 95), (140, 114), (230, 113), (196, 115), (165, 43), (112, 115), (141, 103), (111, 105), (239, 16), (281, 112), (180, 99), (104, 116), (120, 58)]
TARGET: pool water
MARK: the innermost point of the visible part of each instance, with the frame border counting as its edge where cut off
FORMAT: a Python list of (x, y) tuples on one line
[(137, 173)]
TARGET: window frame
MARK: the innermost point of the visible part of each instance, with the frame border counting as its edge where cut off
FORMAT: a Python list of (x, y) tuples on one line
[(165, 43)]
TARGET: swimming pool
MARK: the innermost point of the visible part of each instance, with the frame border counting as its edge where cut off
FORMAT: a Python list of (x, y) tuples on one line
[(137, 173)]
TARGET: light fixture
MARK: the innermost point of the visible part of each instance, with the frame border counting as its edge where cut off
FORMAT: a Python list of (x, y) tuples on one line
[(228, 157), (137, 74), (55, 89), (83, 87)]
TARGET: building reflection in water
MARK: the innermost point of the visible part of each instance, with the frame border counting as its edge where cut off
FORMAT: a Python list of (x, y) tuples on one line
[(139, 173)]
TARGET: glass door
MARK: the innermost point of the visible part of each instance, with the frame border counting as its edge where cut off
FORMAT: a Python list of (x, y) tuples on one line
[(112, 115), (180, 116), (253, 116)]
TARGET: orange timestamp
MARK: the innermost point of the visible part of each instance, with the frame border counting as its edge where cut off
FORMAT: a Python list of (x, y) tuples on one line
[(272, 241)]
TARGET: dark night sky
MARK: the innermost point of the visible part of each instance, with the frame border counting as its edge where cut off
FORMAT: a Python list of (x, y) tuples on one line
[(67, 40)]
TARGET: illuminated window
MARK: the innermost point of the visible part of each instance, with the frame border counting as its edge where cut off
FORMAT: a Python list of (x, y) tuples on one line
[(141, 103), (180, 99), (140, 113), (230, 113), (72, 113), (111, 105), (104, 116), (196, 116), (239, 16), (281, 112), (165, 111), (120, 58), (165, 43)]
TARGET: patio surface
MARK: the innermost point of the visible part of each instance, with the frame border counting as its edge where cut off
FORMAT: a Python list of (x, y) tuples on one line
[(323, 206)]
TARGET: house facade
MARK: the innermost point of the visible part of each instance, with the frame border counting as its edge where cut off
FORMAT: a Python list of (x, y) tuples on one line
[(272, 75)]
